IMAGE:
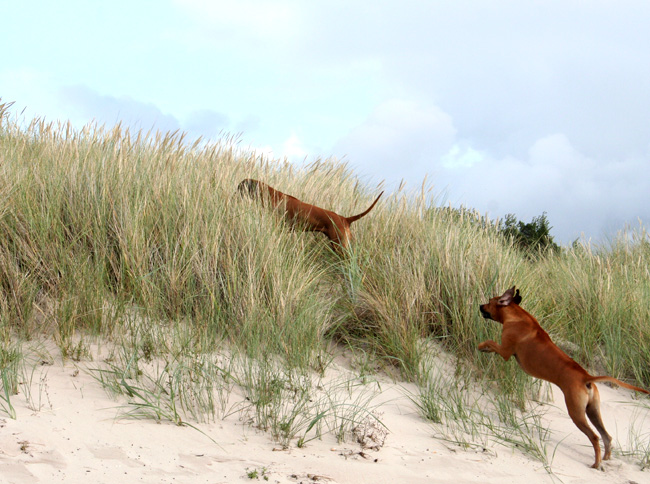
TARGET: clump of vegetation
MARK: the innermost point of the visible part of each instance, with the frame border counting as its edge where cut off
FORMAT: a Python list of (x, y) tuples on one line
[(257, 473), (533, 238)]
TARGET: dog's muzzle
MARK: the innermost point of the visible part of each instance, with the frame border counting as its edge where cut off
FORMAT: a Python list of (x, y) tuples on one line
[(484, 313)]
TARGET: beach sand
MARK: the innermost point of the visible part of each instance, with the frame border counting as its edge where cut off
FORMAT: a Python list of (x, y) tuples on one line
[(79, 434)]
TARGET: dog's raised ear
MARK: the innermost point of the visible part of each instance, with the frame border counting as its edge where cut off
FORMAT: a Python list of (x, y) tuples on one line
[(509, 297), (517, 298)]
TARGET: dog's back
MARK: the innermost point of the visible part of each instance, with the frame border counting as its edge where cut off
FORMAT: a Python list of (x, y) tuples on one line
[(314, 218)]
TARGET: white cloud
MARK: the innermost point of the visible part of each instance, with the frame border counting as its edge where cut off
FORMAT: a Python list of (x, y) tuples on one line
[(460, 156), (579, 194), (206, 123), (256, 15), (507, 72), (109, 110), (32, 92), (244, 23), (399, 137), (293, 149), (85, 104)]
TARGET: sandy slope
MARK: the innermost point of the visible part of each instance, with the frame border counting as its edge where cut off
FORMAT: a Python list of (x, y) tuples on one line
[(76, 437)]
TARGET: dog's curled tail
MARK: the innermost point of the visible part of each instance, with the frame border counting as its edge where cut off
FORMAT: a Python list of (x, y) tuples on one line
[(617, 382), (354, 218)]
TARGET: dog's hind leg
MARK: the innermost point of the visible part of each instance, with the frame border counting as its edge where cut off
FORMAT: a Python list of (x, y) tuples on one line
[(577, 401), (593, 412)]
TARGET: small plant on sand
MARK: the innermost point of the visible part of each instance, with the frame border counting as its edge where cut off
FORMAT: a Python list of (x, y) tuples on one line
[(257, 473), (10, 359), (293, 404), (638, 442), (36, 399)]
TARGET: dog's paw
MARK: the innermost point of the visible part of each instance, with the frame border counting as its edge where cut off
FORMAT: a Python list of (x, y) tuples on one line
[(598, 467), (484, 347)]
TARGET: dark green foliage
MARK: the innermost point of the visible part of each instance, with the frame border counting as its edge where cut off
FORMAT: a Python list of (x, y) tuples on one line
[(533, 238)]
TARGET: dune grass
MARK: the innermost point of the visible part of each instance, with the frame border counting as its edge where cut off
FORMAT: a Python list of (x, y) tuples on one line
[(141, 240)]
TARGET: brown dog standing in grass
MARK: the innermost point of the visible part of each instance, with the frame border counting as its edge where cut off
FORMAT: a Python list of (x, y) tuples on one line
[(335, 226), (523, 338)]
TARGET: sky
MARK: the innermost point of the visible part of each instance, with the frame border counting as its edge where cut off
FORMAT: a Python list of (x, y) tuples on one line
[(505, 106)]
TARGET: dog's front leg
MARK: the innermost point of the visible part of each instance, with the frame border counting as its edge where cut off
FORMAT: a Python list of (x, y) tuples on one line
[(490, 346)]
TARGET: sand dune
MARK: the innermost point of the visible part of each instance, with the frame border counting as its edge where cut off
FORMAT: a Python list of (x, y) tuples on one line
[(78, 436)]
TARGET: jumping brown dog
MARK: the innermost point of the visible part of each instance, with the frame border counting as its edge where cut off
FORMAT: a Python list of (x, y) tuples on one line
[(523, 338), (335, 226)]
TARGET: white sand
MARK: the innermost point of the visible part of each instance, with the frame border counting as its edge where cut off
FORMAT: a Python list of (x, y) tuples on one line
[(76, 437)]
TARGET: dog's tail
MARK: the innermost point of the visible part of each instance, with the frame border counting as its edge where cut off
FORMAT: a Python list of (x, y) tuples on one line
[(354, 218), (615, 381)]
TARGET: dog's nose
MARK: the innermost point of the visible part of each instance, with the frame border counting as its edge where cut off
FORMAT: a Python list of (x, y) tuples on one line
[(484, 313)]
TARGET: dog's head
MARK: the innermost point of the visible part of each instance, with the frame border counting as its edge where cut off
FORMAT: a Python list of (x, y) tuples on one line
[(494, 308), (249, 187)]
